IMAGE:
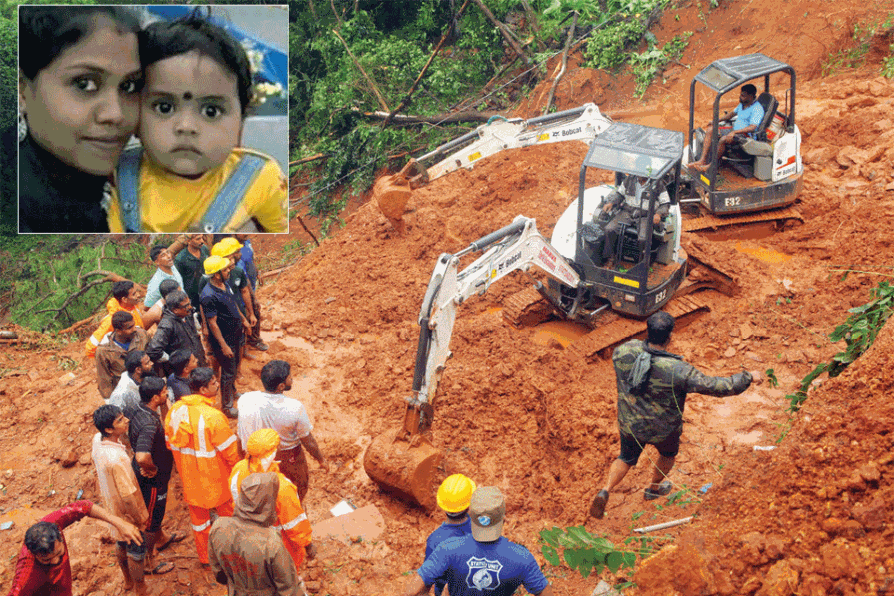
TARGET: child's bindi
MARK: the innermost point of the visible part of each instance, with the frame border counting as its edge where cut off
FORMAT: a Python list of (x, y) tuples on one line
[(187, 96)]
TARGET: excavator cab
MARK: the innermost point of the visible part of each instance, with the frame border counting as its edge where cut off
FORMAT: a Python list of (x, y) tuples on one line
[(764, 172), (625, 261)]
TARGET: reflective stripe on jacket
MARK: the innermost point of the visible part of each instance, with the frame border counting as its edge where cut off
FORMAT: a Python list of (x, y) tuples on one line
[(204, 448), (105, 325), (293, 522)]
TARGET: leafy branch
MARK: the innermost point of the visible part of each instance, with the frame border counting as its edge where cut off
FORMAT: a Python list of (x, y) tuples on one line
[(858, 331), (583, 551)]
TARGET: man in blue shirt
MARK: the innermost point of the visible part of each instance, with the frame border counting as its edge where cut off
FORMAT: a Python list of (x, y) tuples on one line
[(745, 119), (454, 496), (484, 562)]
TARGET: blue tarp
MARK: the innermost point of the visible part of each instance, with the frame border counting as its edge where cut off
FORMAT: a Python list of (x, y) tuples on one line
[(274, 68)]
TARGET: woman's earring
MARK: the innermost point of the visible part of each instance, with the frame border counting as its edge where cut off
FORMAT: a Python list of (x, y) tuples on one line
[(23, 127)]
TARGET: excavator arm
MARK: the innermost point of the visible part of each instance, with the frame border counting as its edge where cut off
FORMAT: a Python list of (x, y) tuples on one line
[(403, 461), (518, 246), (392, 192), (578, 124)]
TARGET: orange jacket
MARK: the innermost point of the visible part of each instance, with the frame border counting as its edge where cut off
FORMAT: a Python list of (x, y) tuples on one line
[(105, 325), (204, 448), (293, 523)]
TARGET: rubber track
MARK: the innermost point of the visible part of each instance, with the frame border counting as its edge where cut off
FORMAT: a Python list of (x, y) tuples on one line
[(713, 222), (516, 305), (683, 309)]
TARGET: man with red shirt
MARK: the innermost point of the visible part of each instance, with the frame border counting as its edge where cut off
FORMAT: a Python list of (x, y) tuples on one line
[(43, 566)]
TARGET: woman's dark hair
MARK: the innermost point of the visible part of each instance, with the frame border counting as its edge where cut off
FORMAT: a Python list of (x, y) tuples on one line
[(47, 31), (150, 387), (120, 289), (274, 373), (41, 538), (179, 359), (167, 286), (659, 327), (164, 39), (104, 417), (200, 377)]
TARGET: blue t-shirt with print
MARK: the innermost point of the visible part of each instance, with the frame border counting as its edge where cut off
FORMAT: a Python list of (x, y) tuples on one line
[(753, 114), (445, 532), (474, 568)]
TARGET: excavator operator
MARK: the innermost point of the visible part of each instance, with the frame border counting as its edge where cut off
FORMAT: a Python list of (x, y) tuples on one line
[(627, 206)]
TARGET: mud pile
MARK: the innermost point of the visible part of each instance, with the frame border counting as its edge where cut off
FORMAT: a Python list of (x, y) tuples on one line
[(517, 410)]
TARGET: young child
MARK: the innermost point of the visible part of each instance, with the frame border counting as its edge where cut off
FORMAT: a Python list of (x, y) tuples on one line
[(190, 174)]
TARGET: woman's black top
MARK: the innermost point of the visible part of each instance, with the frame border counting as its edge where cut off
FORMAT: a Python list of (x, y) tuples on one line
[(55, 197)]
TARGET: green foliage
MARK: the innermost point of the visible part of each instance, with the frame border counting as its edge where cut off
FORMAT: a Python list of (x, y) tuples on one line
[(652, 62), (584, 552), (8, 109), (772, 381), (622, 28), (45, 271), (888, 63), (333, 88), (854, 57), (858, 331)]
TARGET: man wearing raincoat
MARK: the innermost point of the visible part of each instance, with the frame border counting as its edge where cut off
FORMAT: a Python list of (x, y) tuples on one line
[(292, 521), (246, 551), (205, 451)]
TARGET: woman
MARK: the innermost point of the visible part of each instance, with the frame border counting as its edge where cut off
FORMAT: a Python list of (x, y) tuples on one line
[(79, 86)]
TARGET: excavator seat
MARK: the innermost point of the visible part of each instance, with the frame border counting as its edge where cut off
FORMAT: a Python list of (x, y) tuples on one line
[(741, 157)]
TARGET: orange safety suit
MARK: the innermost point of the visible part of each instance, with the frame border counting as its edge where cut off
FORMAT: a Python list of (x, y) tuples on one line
[(292, 521), (205, 450), (105, 325)]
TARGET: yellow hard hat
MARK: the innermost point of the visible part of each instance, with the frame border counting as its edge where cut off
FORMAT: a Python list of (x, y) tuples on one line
[(226, 247), (455, 493), (261, 442), (216, 263)]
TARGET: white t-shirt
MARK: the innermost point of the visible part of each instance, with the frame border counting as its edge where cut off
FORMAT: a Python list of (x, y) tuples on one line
[(285, 415), (126, 393)]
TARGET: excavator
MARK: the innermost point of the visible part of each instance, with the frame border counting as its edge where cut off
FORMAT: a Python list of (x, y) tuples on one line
[(641, 272), (758, 181)]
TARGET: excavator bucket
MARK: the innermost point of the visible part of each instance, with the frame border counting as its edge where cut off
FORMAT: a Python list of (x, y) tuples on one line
[(404, 466), (392, 193)]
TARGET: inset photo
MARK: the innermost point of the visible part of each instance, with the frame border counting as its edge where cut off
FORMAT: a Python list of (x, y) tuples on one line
[(163, 119)]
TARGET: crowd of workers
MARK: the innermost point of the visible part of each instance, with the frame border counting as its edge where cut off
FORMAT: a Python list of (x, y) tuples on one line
[(245, 490)]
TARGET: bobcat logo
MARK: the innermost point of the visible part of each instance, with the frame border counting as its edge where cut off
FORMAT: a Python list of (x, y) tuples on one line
[(484, 574)]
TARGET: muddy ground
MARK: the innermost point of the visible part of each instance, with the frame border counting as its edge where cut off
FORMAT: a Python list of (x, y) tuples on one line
[(518, 410)]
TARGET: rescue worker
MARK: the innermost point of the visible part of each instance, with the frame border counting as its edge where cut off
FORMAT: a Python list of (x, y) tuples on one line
[(229, 248), (454, 496), (292, 521), (652, 388), (205, 451), (221, 312), (246, 553), (484, 562)]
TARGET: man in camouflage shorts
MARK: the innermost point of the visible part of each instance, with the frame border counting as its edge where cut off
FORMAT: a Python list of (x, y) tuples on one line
[(652, 388)]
